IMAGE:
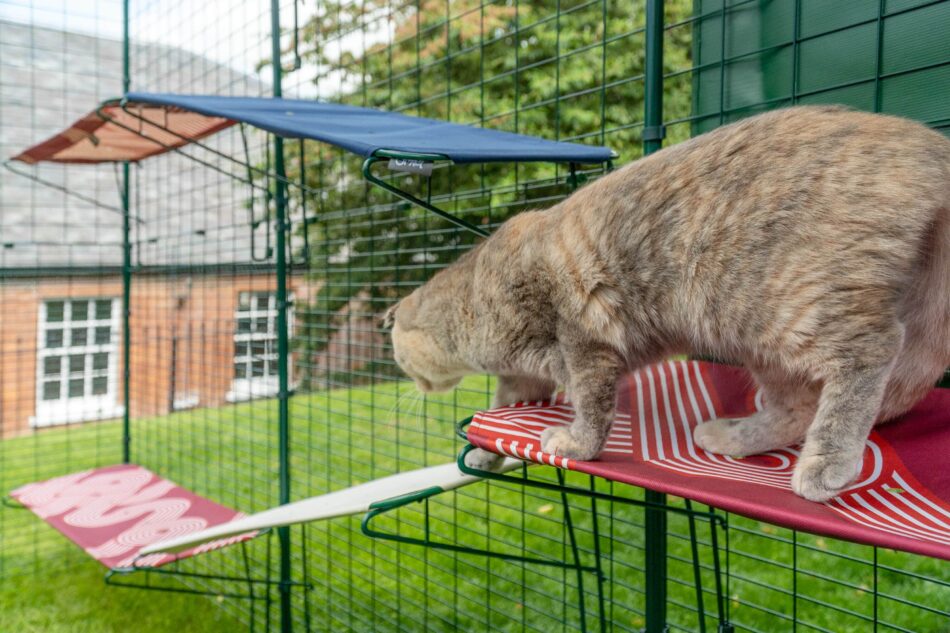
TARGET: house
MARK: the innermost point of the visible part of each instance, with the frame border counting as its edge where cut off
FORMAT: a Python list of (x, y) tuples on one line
[(203, 311)]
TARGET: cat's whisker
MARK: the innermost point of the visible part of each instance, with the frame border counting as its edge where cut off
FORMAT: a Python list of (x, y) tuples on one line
[(407, 404), (402, 400)]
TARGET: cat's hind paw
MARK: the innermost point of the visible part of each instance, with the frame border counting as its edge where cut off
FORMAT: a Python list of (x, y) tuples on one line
[(480, 459), (821, 477), (723, 437), (560, 441)]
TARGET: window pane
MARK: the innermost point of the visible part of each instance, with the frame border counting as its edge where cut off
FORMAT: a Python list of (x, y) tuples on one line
[(257, 368), (240, 370), (104, 309), (51, 390), (100, 361), (100, 385), (272, 367), (54, 311), (80, 311), (260, 324), (54, 338), (103, 335), (76, 388), (258, 348), (78, 336), (241, 348), (244, 301), (244, 325), (52, 365), (77, 363), (262, 301)]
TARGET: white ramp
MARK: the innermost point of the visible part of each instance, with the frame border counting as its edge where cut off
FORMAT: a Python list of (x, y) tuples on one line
[(354, 500)]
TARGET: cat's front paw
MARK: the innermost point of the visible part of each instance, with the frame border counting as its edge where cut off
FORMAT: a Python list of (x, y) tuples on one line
[(480, 459), (560, 441), (821, 477)]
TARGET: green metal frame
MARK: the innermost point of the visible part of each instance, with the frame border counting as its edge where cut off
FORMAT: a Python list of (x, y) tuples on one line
[(283, 334), (125, 196), (550, 23), (654, 519), (114, 575), (650, 504), (574, 179), (383, 507), (257, 589), (9, 165), (385, 155)]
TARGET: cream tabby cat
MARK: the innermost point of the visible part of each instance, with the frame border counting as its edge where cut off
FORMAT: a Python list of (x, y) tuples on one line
[(811, 245)]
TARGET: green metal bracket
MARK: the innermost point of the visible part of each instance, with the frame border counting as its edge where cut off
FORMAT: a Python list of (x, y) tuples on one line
[(388, 505), (654, 504), (10, 502), (403, 500), (583, 492), (385, 155), (381, 507), (575, 180), (115, 575)]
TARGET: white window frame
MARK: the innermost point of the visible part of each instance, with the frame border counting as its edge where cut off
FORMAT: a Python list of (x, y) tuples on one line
[(251, 387), (66, 409)]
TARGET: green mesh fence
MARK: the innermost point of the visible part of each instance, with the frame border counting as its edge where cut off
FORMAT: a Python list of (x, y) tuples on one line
[(60, 268), (205, 405)]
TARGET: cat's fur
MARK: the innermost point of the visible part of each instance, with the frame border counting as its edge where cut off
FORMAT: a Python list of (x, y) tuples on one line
[(811, 245)]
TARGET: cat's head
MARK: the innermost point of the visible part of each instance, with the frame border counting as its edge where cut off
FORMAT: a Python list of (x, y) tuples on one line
[(422, 344)]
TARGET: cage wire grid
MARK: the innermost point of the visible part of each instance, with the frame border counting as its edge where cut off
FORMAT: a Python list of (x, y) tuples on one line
[(58, 252), (203, 400)]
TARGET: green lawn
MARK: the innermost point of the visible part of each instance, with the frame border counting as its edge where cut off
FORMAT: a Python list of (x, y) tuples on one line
[(346, 436)]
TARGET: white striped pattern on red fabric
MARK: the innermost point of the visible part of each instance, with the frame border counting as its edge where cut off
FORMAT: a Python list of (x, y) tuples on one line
[(668, 400)]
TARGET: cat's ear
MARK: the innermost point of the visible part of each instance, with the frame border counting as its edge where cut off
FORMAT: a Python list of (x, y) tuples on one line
[(389, 317)]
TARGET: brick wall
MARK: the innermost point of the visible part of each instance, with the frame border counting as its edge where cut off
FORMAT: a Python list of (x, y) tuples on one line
[(188, 318)]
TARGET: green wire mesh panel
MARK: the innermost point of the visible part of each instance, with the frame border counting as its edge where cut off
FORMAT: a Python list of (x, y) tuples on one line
[(204, 388), (204, 316), (60, 269), (891, 57), (533, 68)]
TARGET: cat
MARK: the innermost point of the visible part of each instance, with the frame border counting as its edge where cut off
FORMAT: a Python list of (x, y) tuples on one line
[(810, 244)]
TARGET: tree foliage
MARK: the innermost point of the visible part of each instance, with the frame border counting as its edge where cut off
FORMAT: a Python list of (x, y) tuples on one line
[(566, 70)]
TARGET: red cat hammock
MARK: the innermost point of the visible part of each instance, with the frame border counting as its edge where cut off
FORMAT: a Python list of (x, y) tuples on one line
[(116, 511), (901, 499)]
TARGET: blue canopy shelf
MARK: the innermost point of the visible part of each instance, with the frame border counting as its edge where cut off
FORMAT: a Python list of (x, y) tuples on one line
[(142, 125)]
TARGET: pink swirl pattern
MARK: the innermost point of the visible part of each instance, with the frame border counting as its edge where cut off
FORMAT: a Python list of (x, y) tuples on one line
[(114, 512)]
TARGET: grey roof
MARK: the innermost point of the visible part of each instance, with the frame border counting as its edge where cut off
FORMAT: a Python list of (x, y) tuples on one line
[(189, 214)]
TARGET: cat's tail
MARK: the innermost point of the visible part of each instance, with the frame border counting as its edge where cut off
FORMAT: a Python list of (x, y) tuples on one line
[(926, 351)]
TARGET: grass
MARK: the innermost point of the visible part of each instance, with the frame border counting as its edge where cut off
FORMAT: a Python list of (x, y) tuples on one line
[(75, 600), (345, 436)]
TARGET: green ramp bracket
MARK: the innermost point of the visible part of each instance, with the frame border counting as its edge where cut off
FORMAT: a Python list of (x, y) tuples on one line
[(422, 159), (426, 540), (716, 522)]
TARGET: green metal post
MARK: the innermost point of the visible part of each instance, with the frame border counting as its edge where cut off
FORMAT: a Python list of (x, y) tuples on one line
[(283, 343), (653, 133), (126, 260)]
